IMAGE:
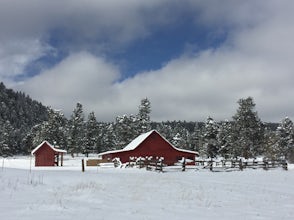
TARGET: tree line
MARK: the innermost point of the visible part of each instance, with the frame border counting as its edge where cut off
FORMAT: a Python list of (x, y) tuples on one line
[(80, 134), (245, 135)]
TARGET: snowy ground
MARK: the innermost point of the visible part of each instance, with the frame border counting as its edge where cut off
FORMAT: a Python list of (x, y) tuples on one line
[(109, 193)]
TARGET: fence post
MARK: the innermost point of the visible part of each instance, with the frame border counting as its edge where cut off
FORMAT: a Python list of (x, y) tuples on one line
[(265, 164), (147, 163), (285, 165), (211, 165), (184, 164), (240, 165), (161, 165), (3, 165), (245, 164), (83, 166)]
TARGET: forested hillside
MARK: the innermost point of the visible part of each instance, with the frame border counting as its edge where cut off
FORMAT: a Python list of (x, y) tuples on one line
[(26, 123), (18, 114)]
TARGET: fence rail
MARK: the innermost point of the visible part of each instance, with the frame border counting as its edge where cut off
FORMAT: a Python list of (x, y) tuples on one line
[(156, 164), (240, 164)]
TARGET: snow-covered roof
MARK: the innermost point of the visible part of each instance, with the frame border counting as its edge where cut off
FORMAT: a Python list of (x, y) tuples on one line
[(53, 148), (132, 145), (137, 141)]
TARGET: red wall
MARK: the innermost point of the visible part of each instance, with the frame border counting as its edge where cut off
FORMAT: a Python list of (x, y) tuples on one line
[(154, 145), (44, 156)]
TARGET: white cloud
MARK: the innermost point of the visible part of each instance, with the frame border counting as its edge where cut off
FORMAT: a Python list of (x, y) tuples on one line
[(98, 26), (79, 78), (16, 54), (116, 21), (256, 60), (189, 88)]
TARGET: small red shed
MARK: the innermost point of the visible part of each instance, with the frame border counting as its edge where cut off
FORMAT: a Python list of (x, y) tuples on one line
[(150, 144), (47, 155)]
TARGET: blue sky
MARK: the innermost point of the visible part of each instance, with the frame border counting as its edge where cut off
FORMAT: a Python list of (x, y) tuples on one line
[(154, 51), (191, 58), (144, 54)]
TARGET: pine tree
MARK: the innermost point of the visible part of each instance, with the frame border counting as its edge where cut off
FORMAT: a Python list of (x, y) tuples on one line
[(177, 140), (196, 140), (180, 136), (37, 134), (56, 128), (225, 140), (107, 140), (77, 139), (101, 141), (285, 135), (125, 130), (248, 130), (91, 133), (53, 130), (210, 137), (271, 144), (165, 130), (144, 116), (28, 142), (7, 147)]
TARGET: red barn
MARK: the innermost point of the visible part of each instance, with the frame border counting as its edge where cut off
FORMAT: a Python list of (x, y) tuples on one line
[(150, 144), (47, 155)]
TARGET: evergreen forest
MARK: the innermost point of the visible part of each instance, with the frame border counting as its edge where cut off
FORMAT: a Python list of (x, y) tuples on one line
[(25, 123)]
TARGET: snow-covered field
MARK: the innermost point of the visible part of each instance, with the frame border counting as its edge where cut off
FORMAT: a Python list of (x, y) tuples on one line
[(130, 193)]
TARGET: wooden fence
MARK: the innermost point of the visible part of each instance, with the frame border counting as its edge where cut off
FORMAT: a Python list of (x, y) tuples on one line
[(150, 163), (219, 165), (156, 164)]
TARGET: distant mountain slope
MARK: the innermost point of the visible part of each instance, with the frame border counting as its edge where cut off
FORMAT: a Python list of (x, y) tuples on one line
[(19, 109), (18, 114)]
